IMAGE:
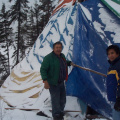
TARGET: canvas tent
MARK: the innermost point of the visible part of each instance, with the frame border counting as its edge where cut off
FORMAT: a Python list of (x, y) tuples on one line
[(85, 30), (24, 85), (93, 33)]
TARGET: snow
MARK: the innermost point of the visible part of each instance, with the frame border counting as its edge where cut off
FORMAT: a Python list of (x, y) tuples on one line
[(44, 106), (17, 114), (114, 5), (110, 25), (98, 27), (55, 2), (86, 12)]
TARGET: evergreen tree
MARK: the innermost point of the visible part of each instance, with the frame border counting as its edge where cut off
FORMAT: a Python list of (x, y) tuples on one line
[(33, 31), (3, 68), (29, 31), (18, 13), (5, 42), (29, 25), (47, 10), (37, 13), (37, 18)]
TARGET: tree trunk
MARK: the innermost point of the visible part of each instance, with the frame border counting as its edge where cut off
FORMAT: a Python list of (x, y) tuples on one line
[(18, 43), (7, 43)]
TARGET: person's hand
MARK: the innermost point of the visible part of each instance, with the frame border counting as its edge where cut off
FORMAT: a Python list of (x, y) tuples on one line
[(72, 64), (46, 85), (117, 104)]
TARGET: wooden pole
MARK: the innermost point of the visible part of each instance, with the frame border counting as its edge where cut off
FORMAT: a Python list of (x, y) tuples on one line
[(21, 109), (90, 70), (68, 111), (38, 109)]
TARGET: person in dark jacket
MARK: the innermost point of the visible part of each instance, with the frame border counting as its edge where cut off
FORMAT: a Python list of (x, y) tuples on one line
[(113, 79), (54, 71)]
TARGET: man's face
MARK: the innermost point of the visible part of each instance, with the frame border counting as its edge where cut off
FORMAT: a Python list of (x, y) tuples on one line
[(112, 55), (57, 49)]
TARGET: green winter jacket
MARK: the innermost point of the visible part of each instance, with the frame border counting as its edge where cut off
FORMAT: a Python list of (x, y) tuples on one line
[(50, 68)]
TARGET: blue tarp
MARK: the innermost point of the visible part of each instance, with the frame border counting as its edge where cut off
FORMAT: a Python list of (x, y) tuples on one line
[(90, 51)]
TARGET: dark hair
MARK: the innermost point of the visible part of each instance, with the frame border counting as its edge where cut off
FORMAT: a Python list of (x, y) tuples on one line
[(57, 43), (115, 48)]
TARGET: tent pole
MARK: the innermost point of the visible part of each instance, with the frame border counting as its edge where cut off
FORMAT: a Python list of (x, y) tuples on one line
[(90, 70)]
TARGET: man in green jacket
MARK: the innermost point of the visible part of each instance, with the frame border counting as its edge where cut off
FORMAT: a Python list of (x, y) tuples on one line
[(54, 72)]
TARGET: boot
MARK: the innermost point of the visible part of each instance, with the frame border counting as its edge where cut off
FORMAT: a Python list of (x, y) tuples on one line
[(61, 116), (55, 118), (58, 117)]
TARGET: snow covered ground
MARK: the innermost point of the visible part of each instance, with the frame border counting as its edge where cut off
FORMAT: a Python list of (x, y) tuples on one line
[(17, 114)]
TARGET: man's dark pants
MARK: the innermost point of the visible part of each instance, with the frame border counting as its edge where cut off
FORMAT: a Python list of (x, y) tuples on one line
[(58, 98)]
